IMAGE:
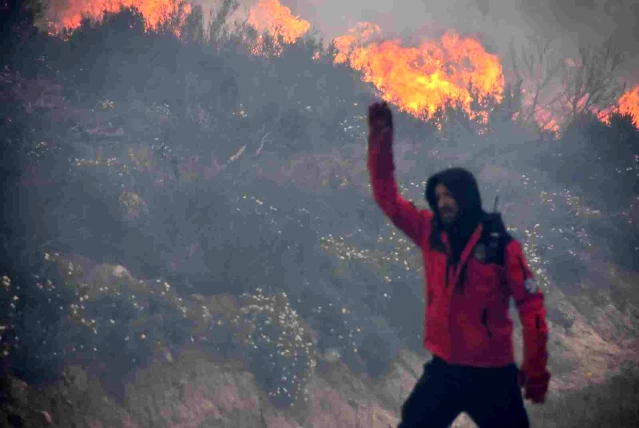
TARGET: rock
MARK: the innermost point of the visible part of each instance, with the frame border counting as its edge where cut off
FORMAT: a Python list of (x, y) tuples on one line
[(332, 355), (167, 355), (76, 378), (193, 392), (46, 417), (16, 391), (120, 271)]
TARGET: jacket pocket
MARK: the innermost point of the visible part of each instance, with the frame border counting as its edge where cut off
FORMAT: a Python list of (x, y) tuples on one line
[(484, 321), (482, 278)]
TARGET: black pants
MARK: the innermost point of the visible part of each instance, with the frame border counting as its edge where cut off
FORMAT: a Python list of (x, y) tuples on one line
[(490, 396)]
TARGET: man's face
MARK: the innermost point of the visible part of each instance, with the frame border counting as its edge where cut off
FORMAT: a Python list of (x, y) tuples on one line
[(446, 205)]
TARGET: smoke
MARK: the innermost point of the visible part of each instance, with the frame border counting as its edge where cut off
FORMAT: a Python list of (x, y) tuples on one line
[(588, 22), (570, 23)]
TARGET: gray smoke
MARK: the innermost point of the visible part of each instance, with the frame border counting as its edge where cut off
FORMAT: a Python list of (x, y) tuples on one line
[(570, 23)]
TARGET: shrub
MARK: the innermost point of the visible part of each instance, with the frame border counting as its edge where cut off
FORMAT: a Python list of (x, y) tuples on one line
[(278, 346)]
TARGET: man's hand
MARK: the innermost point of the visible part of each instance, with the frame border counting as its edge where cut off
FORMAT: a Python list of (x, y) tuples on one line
[(380, 118), (535, 387)]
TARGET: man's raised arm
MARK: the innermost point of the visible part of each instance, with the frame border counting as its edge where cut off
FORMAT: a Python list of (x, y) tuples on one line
[(413, 222)]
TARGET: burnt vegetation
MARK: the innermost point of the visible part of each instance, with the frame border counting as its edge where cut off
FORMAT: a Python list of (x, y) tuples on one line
[(191, 162)]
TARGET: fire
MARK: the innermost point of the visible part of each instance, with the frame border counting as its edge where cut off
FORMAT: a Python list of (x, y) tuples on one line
[(271, 17), (629, 104), (363, 32), (422, 79), (68, 14), (547, 121)]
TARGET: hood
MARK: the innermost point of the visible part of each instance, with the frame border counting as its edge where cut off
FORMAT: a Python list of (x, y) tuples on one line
[(463, 186)]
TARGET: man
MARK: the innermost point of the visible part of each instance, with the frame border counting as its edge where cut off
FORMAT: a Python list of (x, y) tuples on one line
[(473, 267)]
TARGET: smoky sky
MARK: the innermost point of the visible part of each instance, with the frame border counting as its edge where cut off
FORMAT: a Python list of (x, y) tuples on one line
[(569, 23)]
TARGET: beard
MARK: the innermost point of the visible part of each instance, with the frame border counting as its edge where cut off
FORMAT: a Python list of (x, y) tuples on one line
[(448, 216)]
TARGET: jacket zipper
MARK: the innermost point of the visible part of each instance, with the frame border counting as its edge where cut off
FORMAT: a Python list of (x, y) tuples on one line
[(523, 267), (447, 270), (484, 320), (462, 278)]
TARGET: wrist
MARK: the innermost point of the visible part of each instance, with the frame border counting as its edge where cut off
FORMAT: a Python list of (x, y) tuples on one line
[(537, 374)]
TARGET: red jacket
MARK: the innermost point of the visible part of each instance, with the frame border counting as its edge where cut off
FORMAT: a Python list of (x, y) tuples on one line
[(466, 320)]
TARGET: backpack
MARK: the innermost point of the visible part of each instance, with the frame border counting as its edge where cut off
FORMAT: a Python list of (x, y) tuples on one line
[(492, 244)]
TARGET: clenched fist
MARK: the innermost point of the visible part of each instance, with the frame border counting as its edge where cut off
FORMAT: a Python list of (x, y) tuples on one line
[(379, 117), (535, 387)]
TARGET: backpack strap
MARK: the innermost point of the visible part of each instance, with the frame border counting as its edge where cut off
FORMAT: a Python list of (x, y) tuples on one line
[(495, 237)]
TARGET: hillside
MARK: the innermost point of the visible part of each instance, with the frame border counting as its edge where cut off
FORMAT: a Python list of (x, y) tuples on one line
[(189, 236)]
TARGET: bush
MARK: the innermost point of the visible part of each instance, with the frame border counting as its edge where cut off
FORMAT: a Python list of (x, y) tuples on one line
[(278, 346), (111, 322)]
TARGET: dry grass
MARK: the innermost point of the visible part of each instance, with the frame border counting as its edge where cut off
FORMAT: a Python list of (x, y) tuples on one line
[(613, 404)]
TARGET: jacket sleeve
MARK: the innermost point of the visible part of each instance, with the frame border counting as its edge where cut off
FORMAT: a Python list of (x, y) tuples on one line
[(413, 222), (529, 299)]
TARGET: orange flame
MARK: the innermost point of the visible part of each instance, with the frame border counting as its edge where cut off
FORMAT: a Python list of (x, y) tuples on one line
[(269, 16), (422, 79), (629, 104), (68, 14), (547, 121), (535, 111)]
